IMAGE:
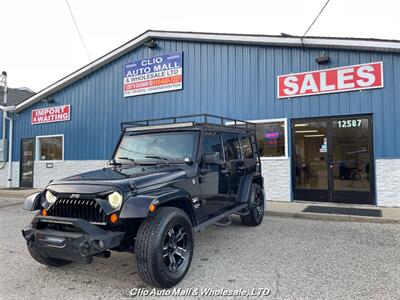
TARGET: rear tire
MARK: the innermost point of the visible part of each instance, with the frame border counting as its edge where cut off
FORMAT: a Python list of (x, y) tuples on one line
[(48, 261), (255, 207), (164, 247)]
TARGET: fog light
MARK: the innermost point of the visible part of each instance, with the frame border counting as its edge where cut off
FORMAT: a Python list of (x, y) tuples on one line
[(98, 244), (114, 218)]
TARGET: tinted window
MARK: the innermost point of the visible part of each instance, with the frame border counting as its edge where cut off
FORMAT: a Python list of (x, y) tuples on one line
[(247, 148), (232, 147), (212, 143), (51, 148)]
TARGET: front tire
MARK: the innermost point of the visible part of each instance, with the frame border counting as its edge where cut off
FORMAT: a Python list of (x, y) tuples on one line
[(164, 247), (255, 207), (48, 261)]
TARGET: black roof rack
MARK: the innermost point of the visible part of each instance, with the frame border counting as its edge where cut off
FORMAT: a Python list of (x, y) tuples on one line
[(196, 119)]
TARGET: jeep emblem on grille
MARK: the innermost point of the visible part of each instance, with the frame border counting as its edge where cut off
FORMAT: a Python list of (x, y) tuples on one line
[(75, 196)]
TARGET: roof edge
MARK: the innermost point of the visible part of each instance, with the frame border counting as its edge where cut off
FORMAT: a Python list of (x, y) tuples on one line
[(275, 40)]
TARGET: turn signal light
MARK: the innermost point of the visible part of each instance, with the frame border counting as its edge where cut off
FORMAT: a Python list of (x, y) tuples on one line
[(44, 212), (114, 218), (152, 208)]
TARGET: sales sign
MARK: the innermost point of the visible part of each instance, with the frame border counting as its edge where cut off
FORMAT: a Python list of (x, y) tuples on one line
[(152, 75), (51, 114), (343, 79)]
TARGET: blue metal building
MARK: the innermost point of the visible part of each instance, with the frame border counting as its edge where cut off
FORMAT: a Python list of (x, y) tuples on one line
[(340, 146)]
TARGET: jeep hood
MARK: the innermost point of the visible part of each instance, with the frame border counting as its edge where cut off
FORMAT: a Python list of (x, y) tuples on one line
[(123, 178)]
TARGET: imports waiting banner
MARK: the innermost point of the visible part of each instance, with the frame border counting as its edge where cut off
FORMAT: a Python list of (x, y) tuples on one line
[(153, 75), (343, 79), (51, 114)]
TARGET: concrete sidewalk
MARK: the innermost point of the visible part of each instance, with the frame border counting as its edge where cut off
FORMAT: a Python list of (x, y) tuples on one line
[(17, 192), (297, 209), (348, 212)]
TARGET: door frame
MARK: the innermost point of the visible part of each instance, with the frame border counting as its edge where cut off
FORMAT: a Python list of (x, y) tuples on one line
[(329, 119), (21, 156)]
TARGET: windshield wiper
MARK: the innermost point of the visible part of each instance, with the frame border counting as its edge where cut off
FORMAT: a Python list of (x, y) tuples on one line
[(163, 159), (127, 158)]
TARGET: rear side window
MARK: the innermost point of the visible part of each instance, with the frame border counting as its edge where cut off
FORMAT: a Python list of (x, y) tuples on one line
[(232, 147), (247, 148), (212, 143)]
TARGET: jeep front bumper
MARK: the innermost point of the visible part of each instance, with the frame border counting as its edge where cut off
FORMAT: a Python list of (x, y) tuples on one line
[(79, 244)]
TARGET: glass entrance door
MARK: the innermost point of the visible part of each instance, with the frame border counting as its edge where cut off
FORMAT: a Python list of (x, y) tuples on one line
[(27, 156), (332, 158), (350, 160), (310, 160)]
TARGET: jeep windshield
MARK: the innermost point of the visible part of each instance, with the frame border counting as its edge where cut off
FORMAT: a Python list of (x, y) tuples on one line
[(157, 148)]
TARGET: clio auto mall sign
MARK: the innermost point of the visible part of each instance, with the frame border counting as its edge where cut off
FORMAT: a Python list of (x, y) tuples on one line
[(153, 75), (51, 114), (343, 79)]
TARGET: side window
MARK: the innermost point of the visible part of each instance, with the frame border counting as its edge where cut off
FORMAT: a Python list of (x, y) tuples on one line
[(212, 143), (232, 147), (247, 148)]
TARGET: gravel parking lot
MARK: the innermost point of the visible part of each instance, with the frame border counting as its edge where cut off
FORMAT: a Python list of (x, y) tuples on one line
[(294, 258)]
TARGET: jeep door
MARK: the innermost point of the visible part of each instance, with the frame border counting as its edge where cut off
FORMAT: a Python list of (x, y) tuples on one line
[(234, 165), (214, 178)]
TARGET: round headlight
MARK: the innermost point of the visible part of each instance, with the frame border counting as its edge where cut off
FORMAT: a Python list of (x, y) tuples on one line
[(115, 199), (50, 197)]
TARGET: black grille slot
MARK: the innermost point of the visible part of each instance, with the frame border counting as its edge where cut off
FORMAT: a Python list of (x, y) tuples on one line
[(87, 209)]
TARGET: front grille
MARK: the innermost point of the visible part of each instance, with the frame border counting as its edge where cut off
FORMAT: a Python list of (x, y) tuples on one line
[(87, 209)]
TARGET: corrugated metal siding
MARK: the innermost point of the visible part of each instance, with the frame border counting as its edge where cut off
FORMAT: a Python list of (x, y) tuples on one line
[(231, 80)]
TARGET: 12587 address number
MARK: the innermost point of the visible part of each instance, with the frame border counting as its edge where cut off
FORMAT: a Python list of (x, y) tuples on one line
[(349, 123)]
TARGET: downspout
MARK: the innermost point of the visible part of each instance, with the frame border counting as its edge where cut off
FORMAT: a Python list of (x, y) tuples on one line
[(2, 163), (10, 135)]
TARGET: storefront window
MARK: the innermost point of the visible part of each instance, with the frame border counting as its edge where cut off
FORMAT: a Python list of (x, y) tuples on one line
[(271, 138), (50, 148)]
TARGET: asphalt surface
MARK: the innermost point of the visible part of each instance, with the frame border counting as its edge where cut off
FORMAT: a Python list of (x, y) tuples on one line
[(294, 258)]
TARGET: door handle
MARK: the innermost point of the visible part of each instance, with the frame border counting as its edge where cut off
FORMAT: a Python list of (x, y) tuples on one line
[(225, 171)]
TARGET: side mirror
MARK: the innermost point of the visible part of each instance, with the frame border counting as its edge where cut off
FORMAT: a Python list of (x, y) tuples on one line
[(213, 158)]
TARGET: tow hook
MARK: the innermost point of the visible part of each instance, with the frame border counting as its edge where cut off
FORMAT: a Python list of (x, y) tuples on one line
[(28, 235)]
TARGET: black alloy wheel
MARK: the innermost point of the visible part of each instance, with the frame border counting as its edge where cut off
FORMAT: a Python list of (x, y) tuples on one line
[(256, 206), (175, 248), (259, 203)]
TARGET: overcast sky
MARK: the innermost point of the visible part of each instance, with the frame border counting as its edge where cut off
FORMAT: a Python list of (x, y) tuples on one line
[(39, 43)]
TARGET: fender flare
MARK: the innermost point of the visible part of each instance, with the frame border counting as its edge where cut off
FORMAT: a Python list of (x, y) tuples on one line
[(138, 206), (32, 202), (245, 186)]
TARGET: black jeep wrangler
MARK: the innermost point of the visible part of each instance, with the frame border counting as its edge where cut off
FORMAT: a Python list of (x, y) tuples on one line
[(168, 178)]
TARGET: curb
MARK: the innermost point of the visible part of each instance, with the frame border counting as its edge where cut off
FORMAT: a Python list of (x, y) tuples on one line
[(330, 217)]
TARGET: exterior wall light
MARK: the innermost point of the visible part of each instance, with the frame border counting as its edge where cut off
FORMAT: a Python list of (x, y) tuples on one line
[(324, 59), (150, 44)]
